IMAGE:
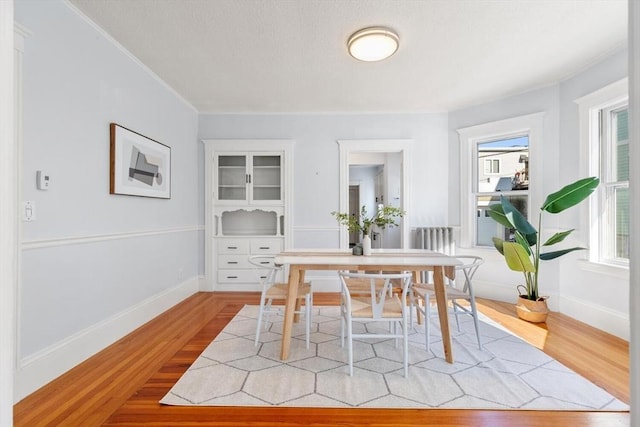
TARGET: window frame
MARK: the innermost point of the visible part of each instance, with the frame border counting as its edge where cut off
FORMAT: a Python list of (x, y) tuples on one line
[(530, 125), (590, 109)]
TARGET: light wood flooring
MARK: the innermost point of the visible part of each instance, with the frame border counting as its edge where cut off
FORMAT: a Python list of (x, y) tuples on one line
[(121, 386)]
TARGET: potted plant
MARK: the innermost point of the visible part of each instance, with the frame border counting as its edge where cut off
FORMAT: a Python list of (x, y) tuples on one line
[(386, 216), (524, 253)]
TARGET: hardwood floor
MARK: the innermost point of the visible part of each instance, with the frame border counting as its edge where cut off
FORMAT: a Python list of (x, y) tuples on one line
[(121, 386)]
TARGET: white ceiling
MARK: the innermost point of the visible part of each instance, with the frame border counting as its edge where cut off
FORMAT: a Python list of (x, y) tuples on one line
[(290, 55)]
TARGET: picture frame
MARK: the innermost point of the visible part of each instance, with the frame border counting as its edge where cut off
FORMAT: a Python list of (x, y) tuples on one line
[(139, 166)]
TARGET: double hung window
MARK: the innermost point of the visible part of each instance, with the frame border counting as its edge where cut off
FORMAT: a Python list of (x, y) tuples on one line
[(604, 119), (495, 161), (614, 148)]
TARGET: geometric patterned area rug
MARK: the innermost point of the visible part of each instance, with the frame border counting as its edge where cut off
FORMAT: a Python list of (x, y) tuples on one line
[(507, 374)]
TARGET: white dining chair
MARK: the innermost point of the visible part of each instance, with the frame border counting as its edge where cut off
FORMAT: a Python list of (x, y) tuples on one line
[(267, 273), (375, 304), (423, 294)]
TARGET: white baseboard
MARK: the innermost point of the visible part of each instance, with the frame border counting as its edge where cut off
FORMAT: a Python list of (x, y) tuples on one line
[(611, 321), (40, 368), (203, 286)]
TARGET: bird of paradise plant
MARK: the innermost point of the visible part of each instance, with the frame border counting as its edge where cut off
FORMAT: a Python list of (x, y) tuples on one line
[(524, 254)]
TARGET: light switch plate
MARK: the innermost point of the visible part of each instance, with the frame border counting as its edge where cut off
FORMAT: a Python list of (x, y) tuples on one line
[(29, 211)]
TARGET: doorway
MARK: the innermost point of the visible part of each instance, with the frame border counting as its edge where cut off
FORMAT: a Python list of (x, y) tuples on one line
[(397, 190)]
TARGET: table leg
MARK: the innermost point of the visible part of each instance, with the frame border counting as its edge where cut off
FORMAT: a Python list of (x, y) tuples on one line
[(417, 279), (296, 316), (289, 311), (441, 299)]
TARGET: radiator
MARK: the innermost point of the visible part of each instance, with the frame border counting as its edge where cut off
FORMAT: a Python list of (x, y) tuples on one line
[(439, 239)]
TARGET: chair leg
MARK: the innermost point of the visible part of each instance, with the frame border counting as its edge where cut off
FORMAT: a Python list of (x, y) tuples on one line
[(393, 328), (308, 308), (342, 322), (476, 323), (411, 307), (260, 314), (267, 312), (427, 323), (405, 350), (350, 345), (456, 312)]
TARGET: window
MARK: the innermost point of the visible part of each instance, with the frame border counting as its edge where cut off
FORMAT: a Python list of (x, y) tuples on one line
[(614, 174), (491, 166), (495, 162), (604, 119)]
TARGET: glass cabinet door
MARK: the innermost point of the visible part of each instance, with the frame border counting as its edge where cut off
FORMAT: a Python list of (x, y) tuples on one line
[(232, 177), (249, 178), (266, 178)]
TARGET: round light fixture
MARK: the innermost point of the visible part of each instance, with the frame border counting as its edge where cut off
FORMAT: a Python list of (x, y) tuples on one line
[(373, 44)]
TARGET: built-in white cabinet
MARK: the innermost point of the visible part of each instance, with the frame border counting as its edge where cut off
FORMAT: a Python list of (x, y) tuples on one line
[(248, 202)]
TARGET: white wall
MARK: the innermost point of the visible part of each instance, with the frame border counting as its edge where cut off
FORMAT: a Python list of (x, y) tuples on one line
[(95, 266), (590, 294)]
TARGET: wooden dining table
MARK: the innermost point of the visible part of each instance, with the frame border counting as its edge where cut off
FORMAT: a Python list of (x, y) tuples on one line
[(299, 261)]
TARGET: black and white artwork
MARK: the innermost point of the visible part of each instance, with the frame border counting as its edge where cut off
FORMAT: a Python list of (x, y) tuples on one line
[(140, 166)]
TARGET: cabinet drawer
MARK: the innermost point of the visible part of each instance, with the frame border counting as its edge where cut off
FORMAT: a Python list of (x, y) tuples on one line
[(233, 246), (237, 276), (266, 246), (234, 261)]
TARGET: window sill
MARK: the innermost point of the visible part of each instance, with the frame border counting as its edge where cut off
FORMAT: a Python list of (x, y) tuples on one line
[(616, 271)]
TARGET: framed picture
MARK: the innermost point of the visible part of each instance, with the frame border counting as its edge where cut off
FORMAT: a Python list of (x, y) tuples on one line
[(140, 166)]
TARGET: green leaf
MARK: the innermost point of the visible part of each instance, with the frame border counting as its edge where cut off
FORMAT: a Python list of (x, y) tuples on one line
[(551, 255), (557, 238), (524, 243), (570, 195), (498, 242), (497, 214), (517, 258), (517, 219)]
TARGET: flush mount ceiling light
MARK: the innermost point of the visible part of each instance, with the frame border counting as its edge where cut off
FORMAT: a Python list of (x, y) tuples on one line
[(373, 44)]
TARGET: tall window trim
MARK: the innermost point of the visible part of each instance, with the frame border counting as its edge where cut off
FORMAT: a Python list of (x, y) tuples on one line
[(470, 137), (591, 109)]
